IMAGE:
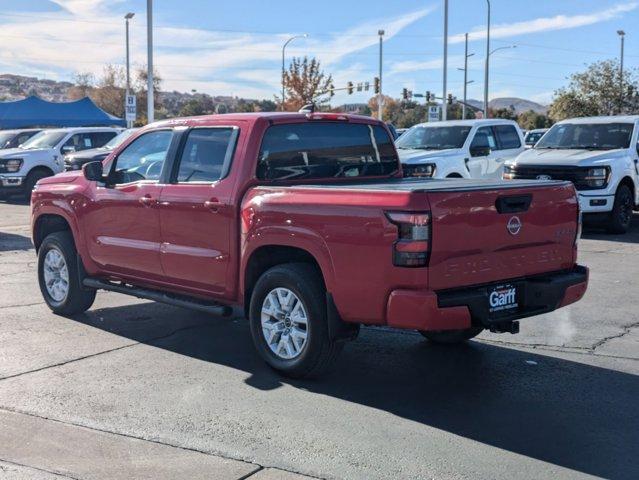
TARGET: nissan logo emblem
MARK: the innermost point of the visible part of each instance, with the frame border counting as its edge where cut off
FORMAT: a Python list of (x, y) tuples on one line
[(544, 177), (514, 225)]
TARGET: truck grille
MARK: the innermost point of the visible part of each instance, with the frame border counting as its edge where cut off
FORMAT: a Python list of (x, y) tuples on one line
[(576, 175)]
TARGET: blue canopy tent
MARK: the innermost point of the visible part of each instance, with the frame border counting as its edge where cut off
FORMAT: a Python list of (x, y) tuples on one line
[(35, 112)]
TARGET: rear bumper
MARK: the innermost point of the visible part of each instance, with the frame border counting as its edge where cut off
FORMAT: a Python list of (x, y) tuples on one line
[(462, 308)]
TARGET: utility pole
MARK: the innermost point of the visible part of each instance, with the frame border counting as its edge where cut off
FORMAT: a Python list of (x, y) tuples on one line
[(622, 34), (128, 17), (486, 75), (380, 97), (444, 105), (465, 70), (150, 107)]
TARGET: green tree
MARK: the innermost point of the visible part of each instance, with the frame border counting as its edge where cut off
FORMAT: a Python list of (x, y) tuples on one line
[(596, 92), (530, 120)]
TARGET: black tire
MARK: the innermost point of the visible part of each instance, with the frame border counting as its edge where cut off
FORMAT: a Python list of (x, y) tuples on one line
[(454, 175), (621, 215), (451, 337), (78, 299), (32, 178), (319, 352)]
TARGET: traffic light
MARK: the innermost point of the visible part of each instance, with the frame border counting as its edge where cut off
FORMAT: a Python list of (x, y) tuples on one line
[(405, 94), (331, 90), (449, 100), (376, 85), (427, 96), (349, 87)]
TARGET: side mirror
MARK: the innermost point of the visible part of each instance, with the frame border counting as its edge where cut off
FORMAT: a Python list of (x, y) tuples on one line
[(93, 171), (66, 149), (479, 151)]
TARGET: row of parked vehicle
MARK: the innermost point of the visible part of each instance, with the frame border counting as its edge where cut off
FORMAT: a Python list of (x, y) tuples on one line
[(599, 155), (29, 155)]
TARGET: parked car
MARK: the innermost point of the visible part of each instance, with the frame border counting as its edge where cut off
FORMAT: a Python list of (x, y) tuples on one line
[(532, 136), (75, 160), (305, 221), (15, 138), (41, 155), (599, 155), (459, 148)]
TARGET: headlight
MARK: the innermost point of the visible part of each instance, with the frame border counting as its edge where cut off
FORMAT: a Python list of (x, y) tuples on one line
[(597, 177), (509, 172), (10, 165), (422, 170)]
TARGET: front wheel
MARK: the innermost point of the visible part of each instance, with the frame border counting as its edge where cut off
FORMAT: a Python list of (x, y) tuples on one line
[(289, 321), (451, 337), (32, 179), (621, 215), (58, 276)]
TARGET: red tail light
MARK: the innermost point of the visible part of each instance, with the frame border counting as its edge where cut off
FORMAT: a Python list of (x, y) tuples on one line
[(413, 240)]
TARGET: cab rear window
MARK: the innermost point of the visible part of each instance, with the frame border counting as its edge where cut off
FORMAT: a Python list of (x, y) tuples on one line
[(326, 150)]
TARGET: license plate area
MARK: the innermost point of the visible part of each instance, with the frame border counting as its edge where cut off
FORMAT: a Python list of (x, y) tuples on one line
[(504, 300)]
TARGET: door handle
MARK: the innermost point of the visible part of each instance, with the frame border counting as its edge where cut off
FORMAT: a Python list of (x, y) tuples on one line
[(213, 204), (147, 200)]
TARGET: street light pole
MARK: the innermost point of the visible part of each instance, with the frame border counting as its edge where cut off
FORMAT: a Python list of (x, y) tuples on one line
[(128, 17), (487, 62), (444, 104), (466, 82), (622, 34), (150, 107), (284, 66), (380, 97)]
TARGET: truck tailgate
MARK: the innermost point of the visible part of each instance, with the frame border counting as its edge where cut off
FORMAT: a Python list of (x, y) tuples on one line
[(492, 235)]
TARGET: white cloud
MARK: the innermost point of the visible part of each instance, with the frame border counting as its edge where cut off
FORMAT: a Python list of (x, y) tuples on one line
[(559, 22), (87, 34)]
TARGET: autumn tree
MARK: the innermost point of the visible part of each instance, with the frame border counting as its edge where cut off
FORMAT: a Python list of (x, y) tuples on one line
[(305, 82), (596, 92)]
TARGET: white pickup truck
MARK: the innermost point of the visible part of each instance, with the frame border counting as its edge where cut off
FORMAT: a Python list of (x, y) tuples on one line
[(459, 148), (599, 155), (42, 155)]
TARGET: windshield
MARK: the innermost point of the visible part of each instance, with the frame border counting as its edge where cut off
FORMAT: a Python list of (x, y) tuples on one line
[(533, 137), (44, 140), (433, 138), (118, 139), (588, 136), (5, 138)]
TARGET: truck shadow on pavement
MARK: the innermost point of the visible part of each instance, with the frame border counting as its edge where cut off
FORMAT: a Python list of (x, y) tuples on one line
[(567, 413), (11, 241), (595, 232)]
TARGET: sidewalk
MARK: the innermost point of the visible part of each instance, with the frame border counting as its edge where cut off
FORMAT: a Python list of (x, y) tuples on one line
[(33, 447)]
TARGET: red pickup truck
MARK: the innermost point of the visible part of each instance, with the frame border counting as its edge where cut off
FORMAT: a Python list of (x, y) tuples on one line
[(305, 221)]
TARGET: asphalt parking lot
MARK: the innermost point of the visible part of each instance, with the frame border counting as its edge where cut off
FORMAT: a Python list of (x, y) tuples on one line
[(134, 389)]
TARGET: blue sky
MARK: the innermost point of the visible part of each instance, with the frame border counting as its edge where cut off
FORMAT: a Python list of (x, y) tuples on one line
[(234, 48)]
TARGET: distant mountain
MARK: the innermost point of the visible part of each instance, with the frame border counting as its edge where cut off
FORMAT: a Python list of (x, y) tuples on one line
[(520, 105)]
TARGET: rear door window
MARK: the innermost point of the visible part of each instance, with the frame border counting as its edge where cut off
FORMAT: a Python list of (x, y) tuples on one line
[(315, 150), (507, 136), (207, 154)]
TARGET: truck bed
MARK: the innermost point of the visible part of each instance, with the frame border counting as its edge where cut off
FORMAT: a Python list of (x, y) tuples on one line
[(430, 185)]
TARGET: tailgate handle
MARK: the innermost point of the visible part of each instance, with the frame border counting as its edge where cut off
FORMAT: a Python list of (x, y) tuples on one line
[(513, 204)]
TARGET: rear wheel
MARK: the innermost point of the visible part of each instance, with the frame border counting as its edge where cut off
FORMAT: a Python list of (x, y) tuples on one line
[(621, 215), (289, 322), (450, 337), (454, 175), (58, 276), (32, 178)]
